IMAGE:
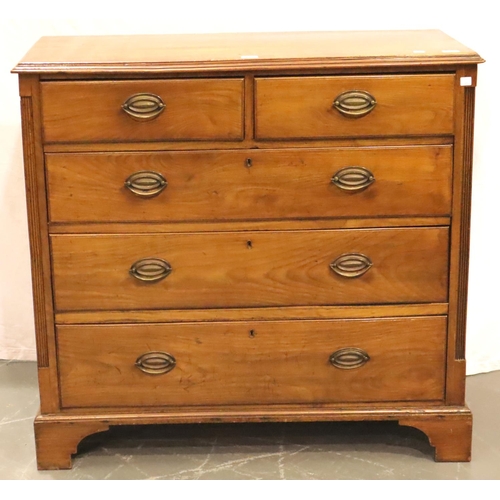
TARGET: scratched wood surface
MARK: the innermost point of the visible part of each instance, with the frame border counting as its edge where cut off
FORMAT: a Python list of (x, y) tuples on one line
[(251, 185), (405, 105), (249, 269), (240, 51), (256, 362), (195, 109)]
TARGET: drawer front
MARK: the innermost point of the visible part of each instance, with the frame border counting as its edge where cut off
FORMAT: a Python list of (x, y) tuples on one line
[(252, 363), (386, 105), (239, 269), (196, 109), (250, 185)]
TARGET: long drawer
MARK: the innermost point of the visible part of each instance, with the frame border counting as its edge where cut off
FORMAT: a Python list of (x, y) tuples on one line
[(143, 110), (250, 185), (354, 106), (331, 361), (245, 269)]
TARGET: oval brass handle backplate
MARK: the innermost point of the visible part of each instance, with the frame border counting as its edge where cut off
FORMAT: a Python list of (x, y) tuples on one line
[(144, 106), (150, 270), (155, 362), (351, 265), (353, 179), (146, 183), (354, 103), (349, 358)]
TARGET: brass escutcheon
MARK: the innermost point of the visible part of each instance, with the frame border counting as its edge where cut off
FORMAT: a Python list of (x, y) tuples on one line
[(144, 106), (146, 183), (349, 358), (351, 265), (354, 103), (150, 270), (155, 362), (353, 179)]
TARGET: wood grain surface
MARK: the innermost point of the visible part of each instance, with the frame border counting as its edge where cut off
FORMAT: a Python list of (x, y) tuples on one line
[(245, 269), (250, 314), (279, 184), (459, 238), (243, 51), (195, 109), (41, 280), (302, 107), (248, 143), (57, 441), (247, 225), (450, 435), (258, 362)]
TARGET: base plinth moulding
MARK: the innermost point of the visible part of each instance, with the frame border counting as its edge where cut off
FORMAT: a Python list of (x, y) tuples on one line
[(449, 429)]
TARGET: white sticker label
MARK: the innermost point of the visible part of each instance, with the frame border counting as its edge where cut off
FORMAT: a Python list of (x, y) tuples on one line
[(249, 57), (465, 81)]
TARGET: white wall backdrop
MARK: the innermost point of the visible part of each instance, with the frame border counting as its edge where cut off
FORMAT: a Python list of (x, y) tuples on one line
[(472, 23)]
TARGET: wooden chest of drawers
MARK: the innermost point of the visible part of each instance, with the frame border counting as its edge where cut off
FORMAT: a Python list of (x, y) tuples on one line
[(231, 228)]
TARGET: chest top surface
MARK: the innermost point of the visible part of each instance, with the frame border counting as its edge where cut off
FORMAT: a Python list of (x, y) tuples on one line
[(243, 51)]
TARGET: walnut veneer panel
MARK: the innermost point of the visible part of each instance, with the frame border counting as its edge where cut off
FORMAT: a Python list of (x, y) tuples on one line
[(246, 185), (250, 269), (260, 362), (197, 109), (405, 105)]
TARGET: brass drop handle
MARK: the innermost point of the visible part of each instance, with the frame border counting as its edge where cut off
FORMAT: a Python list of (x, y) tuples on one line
[(353, 179), (150, 270), (354, 103), (143, 107), (155, 362), (351, 265), (349, 358), (146, 183)]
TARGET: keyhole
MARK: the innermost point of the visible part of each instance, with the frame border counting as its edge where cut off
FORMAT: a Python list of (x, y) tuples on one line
[(248, 162), (249, 244), (252, 334)]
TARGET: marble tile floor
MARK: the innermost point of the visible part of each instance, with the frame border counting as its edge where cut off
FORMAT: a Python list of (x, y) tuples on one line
[(248, 451)]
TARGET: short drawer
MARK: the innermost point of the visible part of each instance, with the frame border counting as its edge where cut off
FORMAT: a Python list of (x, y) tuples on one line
[(239, 269), (327, 361), (353, 106), (143, 110), (250, 185)]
